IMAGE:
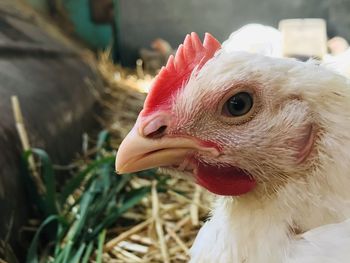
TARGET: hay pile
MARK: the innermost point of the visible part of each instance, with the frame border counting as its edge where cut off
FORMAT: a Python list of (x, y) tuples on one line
[(165, 223)]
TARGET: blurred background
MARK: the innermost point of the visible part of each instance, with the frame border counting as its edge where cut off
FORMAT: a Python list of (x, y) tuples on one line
[(135, 25), (73, 78)]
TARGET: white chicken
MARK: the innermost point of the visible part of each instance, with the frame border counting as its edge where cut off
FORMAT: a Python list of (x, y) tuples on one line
[(269, 136)]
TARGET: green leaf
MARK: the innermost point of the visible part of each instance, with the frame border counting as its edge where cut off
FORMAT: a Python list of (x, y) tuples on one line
[(76, 181), (101, 241), (88, 252), (33, 248), (76, 258), (85, 205), (100, 207), (103, 138), (123, 181), (79, 223), (49, 180), (37, 199), (135, 197), (61, 231), (66, 252)]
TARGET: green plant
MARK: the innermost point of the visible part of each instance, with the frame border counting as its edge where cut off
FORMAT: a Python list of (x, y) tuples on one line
[(75, 218)]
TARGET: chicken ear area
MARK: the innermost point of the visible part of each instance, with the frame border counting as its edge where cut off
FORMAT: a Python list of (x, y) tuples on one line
[(227, 181)]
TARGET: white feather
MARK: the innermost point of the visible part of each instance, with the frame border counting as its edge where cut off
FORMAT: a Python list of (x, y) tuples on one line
[(325, 244)]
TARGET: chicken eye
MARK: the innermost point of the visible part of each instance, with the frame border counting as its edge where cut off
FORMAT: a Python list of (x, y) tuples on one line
[(239, 104)]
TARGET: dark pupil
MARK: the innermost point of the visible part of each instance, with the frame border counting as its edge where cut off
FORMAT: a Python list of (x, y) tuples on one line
[(240, 104)]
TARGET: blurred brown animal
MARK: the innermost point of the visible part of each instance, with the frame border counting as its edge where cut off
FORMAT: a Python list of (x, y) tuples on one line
[(154, 59)]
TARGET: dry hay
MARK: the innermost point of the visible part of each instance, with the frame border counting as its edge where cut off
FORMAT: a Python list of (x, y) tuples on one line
[(165, 224)]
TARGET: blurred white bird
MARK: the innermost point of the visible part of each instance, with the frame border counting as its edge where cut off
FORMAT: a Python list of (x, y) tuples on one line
[(339, 63), (256, 38)]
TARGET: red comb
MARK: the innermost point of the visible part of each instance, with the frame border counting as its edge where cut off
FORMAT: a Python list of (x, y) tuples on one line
[(190, 55)]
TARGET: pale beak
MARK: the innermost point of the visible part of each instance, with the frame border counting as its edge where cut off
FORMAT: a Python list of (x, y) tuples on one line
[(138, 153)]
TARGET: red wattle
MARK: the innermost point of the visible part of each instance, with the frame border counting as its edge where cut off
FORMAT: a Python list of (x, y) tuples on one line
[(228, 181)]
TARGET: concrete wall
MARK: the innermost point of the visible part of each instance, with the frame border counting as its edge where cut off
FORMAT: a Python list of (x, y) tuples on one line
[(144, 20)]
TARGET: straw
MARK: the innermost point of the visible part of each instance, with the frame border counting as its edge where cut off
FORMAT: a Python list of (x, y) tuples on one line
[(23, 135)]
